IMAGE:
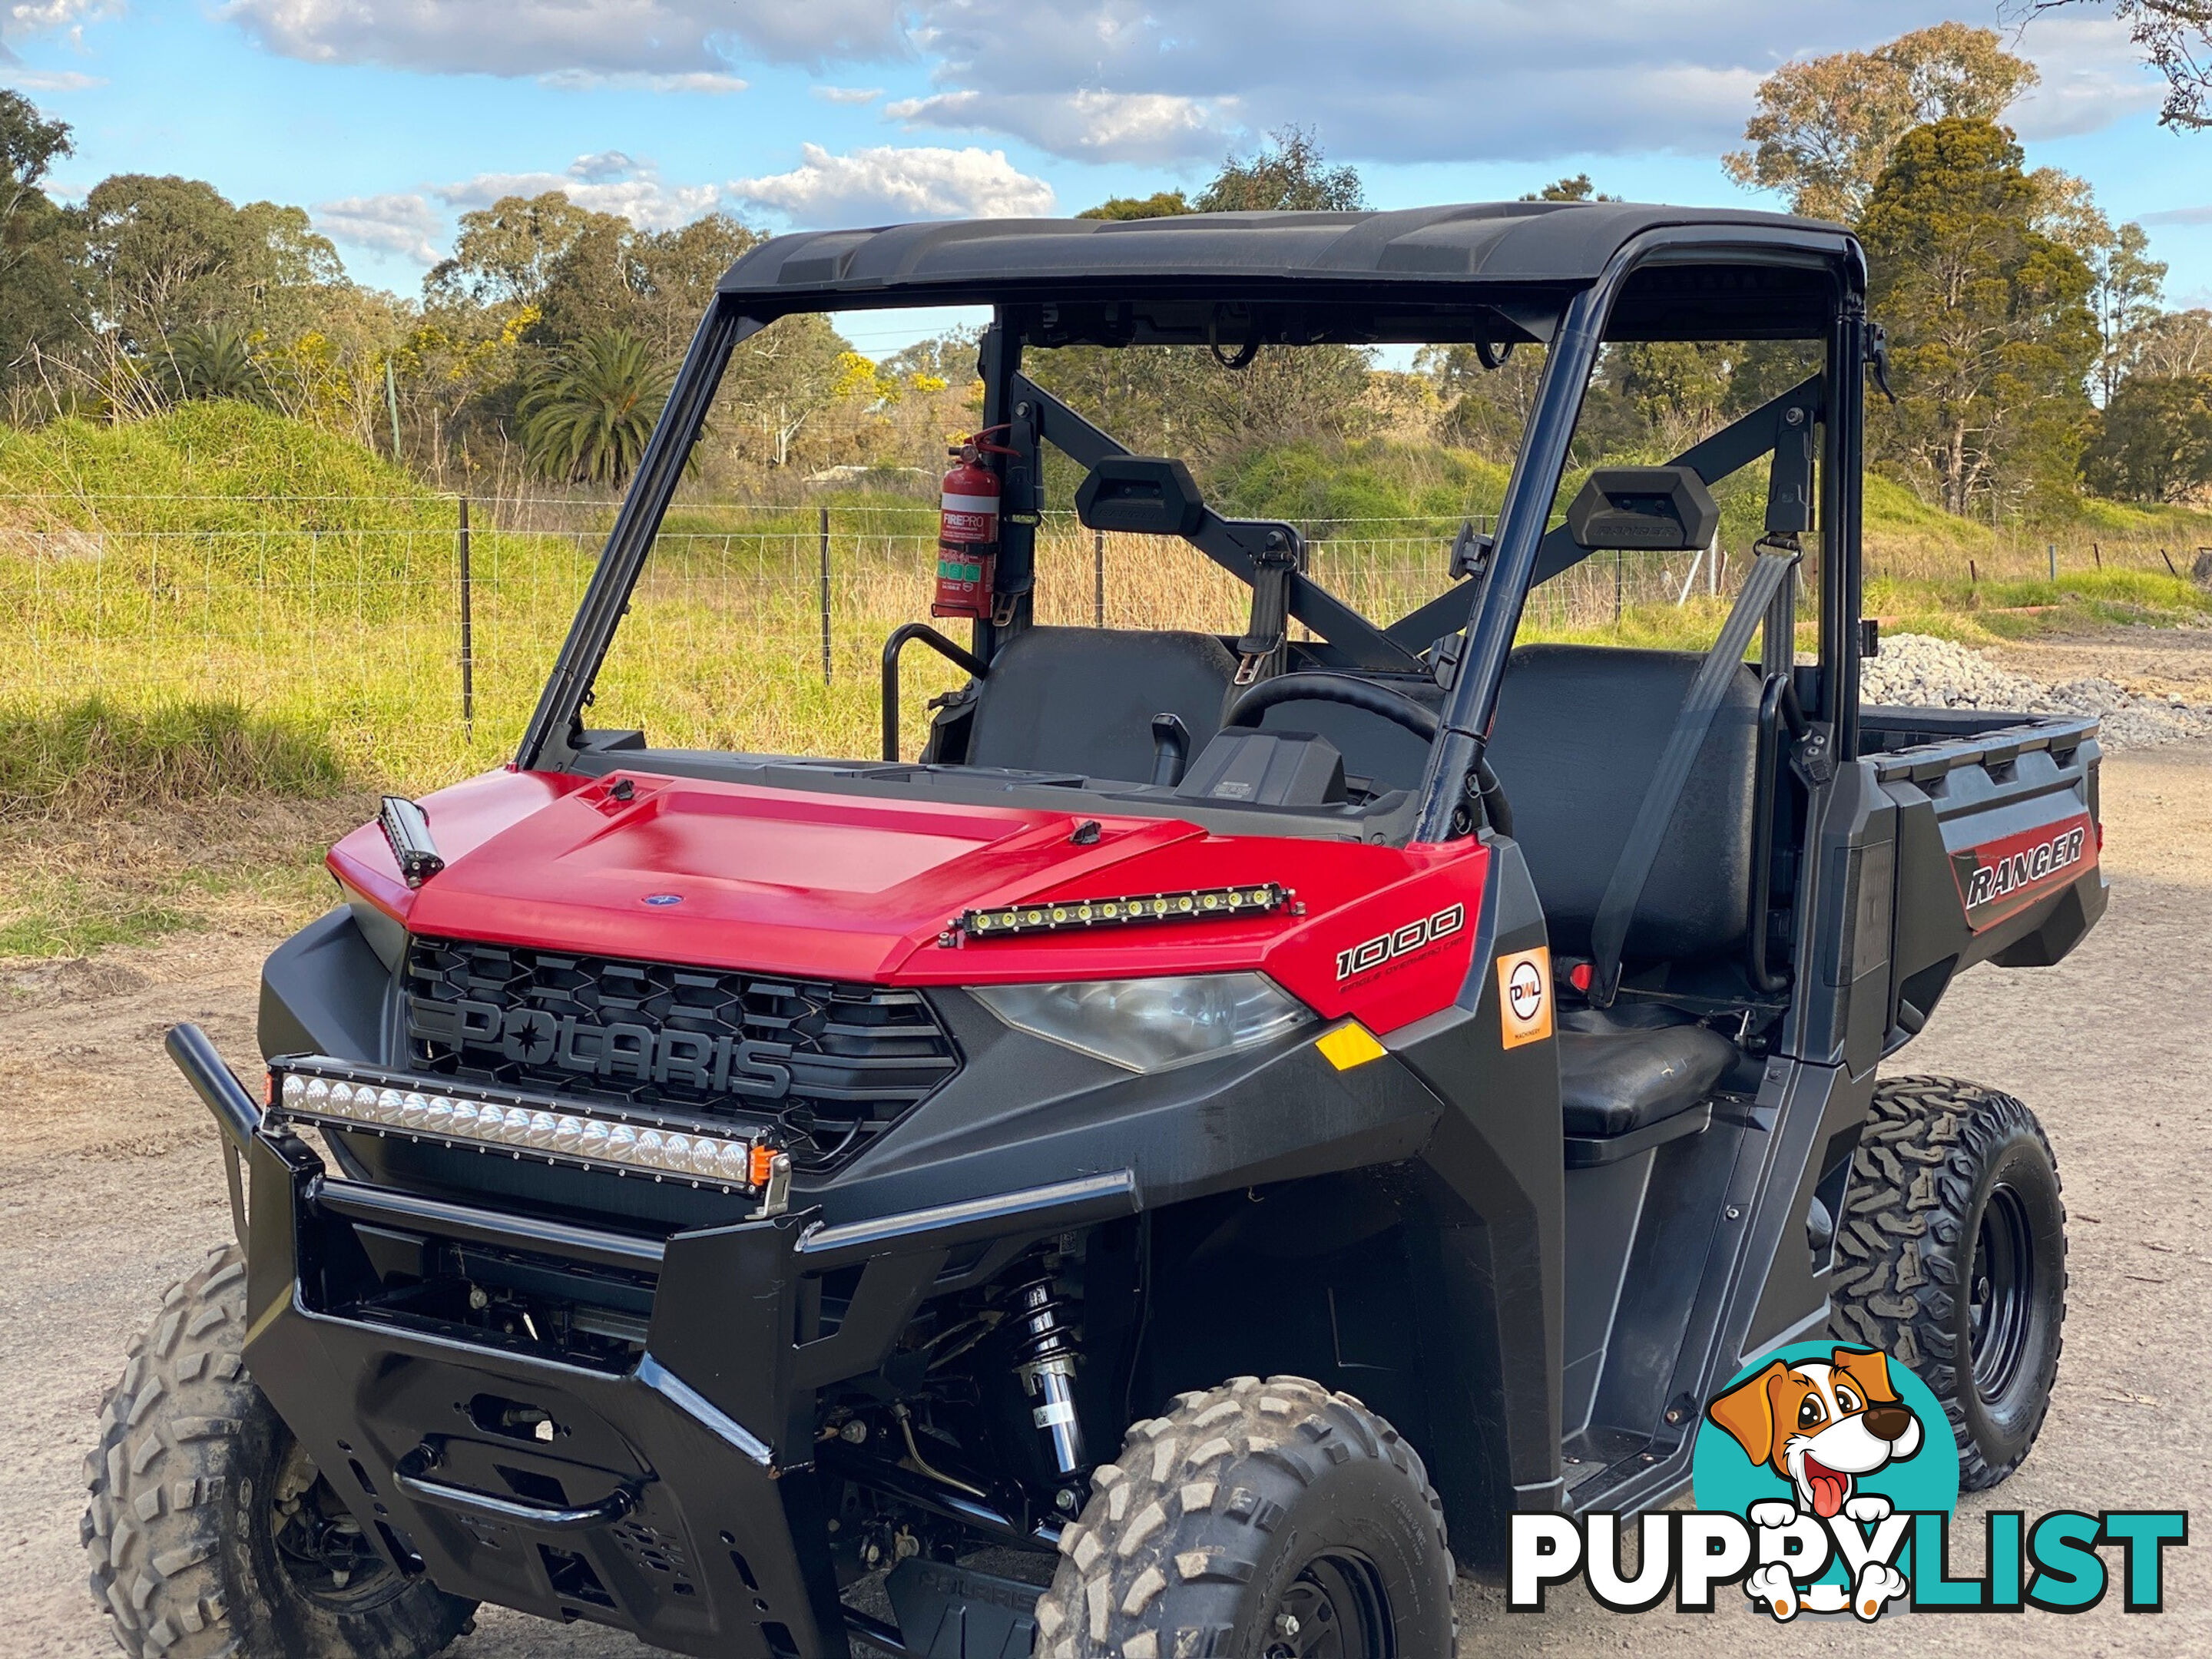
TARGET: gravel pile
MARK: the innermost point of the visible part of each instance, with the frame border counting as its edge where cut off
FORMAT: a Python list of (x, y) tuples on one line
[(1914, 670)]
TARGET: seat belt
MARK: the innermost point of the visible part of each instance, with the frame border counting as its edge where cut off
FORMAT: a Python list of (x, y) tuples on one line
[(1277, 560), (1625, 890)]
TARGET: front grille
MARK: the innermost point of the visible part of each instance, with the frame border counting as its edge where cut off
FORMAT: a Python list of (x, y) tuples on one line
[(833, 1064)]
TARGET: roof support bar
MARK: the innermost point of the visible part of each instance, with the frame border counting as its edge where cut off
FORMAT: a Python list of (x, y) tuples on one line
[(1732, 448), (1235, 544)]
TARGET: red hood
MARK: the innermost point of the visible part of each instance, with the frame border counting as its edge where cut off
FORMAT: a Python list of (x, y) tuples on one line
[(862, 888)]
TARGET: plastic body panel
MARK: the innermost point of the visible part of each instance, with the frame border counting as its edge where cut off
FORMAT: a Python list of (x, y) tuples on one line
[(1998, 845), (866, 889)]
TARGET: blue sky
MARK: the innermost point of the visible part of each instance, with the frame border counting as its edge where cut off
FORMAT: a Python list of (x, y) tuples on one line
[(388, 117)]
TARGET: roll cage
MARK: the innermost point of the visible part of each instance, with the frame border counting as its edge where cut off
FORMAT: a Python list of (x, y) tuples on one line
[(1570, 276)]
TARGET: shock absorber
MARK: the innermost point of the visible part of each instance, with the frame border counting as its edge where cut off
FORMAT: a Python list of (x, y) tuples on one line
[(1044, 1358)]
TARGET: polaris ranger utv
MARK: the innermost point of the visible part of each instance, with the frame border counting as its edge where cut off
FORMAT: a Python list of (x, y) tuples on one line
[(1170, 1172)]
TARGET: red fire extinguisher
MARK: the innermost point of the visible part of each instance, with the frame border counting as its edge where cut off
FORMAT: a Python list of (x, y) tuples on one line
[(967, 531)]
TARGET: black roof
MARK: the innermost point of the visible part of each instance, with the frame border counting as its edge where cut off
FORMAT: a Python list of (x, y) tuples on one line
[(1497, 244)]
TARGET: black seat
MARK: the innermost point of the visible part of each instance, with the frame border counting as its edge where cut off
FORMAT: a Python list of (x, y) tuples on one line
[(1617, 1078), (1578, 734), (1082, 699)]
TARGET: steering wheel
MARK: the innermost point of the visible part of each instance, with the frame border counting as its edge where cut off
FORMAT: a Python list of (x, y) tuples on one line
[(1395, 706), (1308, 686)]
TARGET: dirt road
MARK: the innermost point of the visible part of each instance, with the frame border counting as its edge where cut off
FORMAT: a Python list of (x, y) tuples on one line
[(110, 1188)]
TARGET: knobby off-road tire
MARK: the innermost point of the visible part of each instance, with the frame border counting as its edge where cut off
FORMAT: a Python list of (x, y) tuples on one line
[(1256, 1519), (202, 1501), (1952, 1258)]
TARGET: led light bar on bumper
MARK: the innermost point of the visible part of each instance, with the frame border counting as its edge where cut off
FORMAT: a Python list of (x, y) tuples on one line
[(524, 1126)]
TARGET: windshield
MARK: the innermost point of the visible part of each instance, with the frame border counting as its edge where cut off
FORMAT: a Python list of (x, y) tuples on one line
[(805, 528), (1077, 566)]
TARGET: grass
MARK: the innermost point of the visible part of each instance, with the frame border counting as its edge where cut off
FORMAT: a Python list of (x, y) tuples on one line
[(74, 884), (221, 605), (89, 757), (76, 914), (126, 824)]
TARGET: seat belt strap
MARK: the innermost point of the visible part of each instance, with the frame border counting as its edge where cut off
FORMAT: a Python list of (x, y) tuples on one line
[(1623, 891), (1273, 567)]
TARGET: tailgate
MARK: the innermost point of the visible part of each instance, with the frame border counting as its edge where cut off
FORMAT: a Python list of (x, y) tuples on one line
[(1997, 843)]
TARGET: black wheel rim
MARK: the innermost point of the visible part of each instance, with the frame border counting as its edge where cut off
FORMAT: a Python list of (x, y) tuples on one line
[(1335, 1609), (2000, 1293), (320, 1545)]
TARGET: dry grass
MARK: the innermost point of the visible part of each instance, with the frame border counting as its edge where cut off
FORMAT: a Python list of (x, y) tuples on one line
[(72, 884)]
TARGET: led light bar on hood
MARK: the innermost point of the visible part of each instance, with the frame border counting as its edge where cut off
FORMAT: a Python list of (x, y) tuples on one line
[(547, 1130), (1195, 904)]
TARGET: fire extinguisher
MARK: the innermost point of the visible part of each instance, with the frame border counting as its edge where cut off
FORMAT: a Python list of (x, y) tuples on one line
[(967, 531)]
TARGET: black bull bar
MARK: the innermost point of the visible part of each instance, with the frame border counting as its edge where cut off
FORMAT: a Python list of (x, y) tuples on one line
[(676, 1498)]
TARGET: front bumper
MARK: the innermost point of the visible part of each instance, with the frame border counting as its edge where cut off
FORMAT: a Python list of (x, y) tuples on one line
[(669, 1492), (641, 1504)]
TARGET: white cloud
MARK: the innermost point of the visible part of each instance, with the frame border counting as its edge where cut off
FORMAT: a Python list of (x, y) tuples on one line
[(2188, 215), (546, 37), (713, 84), (30, 17), (396, 223), (2093, 76), (1124, 126), (881, 185), (1394, 79), (610, 182), (55, 80), (38, 19), (1137, 81)]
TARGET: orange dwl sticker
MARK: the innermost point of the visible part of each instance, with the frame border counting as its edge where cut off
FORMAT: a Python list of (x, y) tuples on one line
[(1524, 996)]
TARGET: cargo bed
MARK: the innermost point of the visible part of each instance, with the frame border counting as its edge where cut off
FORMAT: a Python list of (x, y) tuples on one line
[(1998, 843)]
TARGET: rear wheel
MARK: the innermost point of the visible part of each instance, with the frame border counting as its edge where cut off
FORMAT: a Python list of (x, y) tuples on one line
[(1258, 1520), (211, 1533), (1952, 1258)]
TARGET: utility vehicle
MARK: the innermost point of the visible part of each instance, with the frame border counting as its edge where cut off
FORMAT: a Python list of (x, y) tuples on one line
[(1170, 1170)]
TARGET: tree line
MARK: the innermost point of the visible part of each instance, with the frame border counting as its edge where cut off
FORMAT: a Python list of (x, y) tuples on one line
[(2029, 349)]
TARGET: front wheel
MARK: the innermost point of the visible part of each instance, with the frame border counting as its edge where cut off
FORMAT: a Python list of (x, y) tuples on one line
[(1952, 1258), (212, 1534), (1258, 1520)]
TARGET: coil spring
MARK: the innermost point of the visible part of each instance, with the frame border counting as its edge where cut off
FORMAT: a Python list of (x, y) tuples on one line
[(1041, 1323)]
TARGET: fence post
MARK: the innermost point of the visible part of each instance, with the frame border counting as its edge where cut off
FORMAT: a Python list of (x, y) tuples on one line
[(2098, 554), (468, 634), (2052, 549), (2168, 557), (1098, 578), (1619, 581), (825, 596), (391, 402)]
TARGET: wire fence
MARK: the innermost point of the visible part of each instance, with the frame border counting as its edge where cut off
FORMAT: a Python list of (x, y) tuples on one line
[(415, 633)]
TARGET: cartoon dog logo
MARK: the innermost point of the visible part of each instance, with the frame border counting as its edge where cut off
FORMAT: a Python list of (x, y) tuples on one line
[(1822, 1426)]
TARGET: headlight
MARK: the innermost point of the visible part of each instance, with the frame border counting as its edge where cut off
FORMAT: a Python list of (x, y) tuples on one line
[(1149, 1024)]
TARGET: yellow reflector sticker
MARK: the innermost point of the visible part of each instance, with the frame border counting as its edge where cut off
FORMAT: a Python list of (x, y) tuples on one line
[(1349, 1046), (1524, 997)]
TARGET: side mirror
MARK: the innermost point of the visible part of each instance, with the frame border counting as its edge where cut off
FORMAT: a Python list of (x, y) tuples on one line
[(1142, 495), (1665, 509)]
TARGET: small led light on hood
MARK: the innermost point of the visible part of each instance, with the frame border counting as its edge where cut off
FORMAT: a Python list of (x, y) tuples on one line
[(546, 1130), (1195, 904)]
